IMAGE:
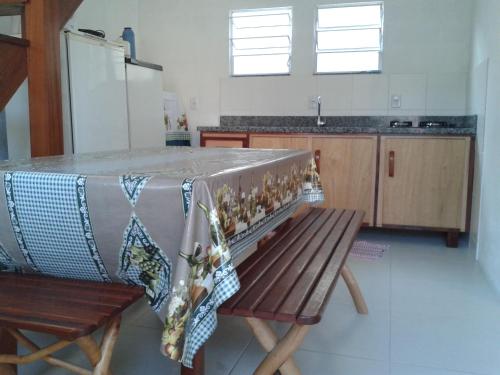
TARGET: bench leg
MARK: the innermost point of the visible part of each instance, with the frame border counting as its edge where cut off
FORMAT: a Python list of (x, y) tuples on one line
[(354, 289), (268, 340), (107, 347), (8, 345), (90, 348), (283, 351), (100, 356)]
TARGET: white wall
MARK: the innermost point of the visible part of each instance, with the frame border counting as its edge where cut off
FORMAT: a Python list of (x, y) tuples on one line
[(484, 100), (108, 15), (426, 60), (18, 127)]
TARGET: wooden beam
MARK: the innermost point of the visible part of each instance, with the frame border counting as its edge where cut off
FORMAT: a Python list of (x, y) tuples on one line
[(13, 66), (43, 21), (8, 345)]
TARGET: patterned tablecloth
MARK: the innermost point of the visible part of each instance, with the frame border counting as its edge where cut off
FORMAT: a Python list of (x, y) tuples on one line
[(173, 221)]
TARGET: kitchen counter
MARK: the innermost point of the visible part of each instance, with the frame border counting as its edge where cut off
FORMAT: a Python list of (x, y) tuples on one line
[(461, 125)]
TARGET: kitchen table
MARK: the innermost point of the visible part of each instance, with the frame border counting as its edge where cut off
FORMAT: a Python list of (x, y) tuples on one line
[(174, 221)]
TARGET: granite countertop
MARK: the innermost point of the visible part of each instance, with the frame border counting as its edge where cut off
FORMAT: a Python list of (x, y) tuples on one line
[(459, 125)]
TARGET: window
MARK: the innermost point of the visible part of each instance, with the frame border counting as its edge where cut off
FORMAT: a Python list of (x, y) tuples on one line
[(261, 41), (349, 38)]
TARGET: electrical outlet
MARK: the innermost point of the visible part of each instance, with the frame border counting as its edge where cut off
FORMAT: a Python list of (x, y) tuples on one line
[(396, 101)]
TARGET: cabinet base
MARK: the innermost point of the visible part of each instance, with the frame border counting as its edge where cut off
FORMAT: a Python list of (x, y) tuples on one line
[(452, 238)]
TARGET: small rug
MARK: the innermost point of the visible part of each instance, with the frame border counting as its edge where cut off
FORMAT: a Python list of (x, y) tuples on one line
[(368, 250)]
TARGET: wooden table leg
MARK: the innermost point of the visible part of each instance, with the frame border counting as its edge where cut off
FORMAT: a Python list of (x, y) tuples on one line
[(353, 287), (283, 350), (198, 364), (268, 340), (8, 345)]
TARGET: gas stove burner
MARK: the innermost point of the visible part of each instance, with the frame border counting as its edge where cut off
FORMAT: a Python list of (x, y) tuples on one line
[(401, 124), (434, 124)]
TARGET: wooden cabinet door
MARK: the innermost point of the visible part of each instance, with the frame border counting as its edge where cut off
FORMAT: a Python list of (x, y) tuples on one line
[(423, 182), (348, 168), (279, 142)]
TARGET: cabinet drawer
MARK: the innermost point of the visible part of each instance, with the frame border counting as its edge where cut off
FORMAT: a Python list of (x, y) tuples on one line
[(224, 140)]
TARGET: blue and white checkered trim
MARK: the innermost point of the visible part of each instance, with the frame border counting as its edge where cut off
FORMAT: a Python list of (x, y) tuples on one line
[(204, 320), (314, 196), (50, 218)]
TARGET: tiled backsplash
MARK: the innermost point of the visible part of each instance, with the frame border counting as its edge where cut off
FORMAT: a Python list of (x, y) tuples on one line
[(431, 94)]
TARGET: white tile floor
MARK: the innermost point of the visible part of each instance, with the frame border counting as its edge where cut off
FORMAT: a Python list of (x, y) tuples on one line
[(432, 312)]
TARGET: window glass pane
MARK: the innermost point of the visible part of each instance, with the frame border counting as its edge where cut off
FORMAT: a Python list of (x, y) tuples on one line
[(349, 16), (266, 51), (349, 39), (258, 21), (347, 62), (261, 31), (261, 42), (266, 64)]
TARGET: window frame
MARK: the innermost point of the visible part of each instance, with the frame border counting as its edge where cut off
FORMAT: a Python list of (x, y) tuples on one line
[(230, 42), (352, 5)]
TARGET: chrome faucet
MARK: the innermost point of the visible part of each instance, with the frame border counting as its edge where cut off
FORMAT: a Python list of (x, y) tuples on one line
[(319, 122)]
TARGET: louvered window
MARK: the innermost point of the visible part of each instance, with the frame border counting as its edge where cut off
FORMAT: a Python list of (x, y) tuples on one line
[(261, 41), (349, 38)]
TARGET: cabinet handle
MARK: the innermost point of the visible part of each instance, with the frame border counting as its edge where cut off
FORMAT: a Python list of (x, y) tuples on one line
[(392, 157), (317, 159)]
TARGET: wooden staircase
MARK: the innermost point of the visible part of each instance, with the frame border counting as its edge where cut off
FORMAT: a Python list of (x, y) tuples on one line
[(36, 56)]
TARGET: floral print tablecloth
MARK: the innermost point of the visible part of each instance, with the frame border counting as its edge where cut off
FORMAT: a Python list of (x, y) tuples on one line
[(174, 221)]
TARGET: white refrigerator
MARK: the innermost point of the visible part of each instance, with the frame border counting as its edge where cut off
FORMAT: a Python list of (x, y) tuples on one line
[(96, 116), (108, 105), (145, 105)]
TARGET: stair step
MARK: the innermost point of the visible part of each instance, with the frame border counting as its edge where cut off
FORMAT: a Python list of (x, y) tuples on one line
[(12, 7), (13, 40)]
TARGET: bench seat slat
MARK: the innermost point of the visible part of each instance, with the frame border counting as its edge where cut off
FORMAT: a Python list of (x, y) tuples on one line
[(268, 308), (307, 282), (39, 303), (285, 230), (311, 313), (287, 307), (60, 328), (66, 308), (86, 297), (291, 277), (270, 273), (271, 253), (78, 286)]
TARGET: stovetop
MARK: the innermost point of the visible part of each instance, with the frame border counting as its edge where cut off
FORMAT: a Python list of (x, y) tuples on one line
[(421, 124)]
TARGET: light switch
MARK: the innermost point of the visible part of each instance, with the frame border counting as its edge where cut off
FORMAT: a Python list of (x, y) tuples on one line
[(193, 103), (396, 101)]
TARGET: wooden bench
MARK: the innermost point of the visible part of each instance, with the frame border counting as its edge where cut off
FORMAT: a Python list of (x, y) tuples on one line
[(71, 310), (290, 279)]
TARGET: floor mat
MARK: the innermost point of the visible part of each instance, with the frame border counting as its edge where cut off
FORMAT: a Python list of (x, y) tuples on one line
[(368, 250)]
